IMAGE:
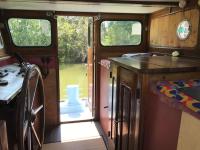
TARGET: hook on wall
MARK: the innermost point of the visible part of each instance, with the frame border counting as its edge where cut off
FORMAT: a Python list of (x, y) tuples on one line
[(182, 3)]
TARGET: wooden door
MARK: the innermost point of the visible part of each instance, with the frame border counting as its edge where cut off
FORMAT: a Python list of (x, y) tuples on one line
[(90, 66), (126, 110), (112, 107)]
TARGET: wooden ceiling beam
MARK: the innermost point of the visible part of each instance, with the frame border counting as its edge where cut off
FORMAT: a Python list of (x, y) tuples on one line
[(142, 2)]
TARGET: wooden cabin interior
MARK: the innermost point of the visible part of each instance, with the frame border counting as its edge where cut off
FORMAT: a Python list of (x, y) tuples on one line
[(140, 81)]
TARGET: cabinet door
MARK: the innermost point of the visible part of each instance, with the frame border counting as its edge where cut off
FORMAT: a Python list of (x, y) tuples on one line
[(104, 99), (124, 116), (126, 110), (112, 106)]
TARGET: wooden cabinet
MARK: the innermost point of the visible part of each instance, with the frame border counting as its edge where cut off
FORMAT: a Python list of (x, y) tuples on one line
[(137, 117), (118, 107), (124, 118), (112, 105)]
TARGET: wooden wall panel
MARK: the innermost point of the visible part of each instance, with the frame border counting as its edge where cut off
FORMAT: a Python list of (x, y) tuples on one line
[(51, 113), (163, 29), (51, 91), (3, 136)]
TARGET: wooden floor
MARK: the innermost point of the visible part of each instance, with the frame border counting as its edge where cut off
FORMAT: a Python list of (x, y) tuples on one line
[(78, 136)]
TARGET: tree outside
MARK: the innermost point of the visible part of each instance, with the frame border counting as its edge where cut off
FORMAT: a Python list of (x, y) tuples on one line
[(72, 39), (72, 54)]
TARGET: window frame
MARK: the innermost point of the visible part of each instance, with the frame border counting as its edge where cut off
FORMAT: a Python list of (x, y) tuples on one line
[(41, 18), (142, 31)]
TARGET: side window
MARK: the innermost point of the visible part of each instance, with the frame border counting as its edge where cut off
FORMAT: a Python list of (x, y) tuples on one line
[(30, 32), (121, 33)]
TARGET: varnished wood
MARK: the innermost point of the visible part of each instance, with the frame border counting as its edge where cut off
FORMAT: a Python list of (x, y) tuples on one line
[(161, 124), (163, 30), (10, 46), (154, 107), (105, 96), (158, 64), (3, 136), (30, 115), (106, 51), (166, 41), (52, 109), (147, 2), (126, 110)]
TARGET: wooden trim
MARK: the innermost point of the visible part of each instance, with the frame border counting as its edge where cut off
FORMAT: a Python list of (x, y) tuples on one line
[(77, 121), (33, 51), (55, 54), (24, 13), (3, 53), (144, 2), (119, 49), (171, 10), (64, 13), (185, 51), (102, 52)]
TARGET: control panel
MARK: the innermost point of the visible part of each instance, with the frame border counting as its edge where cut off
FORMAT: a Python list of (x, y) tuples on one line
[(11, 80)]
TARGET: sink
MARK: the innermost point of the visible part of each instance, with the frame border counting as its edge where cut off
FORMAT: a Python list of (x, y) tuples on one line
[(194, 91)]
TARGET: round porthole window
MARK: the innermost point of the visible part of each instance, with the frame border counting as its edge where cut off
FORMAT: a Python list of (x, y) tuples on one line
[(183, 30)]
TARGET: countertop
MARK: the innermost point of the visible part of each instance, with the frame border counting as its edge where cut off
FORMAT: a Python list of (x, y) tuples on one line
[(158, 64), (165, 64)]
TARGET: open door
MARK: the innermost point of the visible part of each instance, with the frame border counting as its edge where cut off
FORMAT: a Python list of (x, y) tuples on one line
[(75, 54), (91, 66)]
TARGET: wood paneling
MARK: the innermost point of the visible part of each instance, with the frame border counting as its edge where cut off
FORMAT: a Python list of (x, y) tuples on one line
[(51, 99), (104, 97), (161, 124), (126, 110), (51, 89), (3, 136), (163, 29), (189, 134)]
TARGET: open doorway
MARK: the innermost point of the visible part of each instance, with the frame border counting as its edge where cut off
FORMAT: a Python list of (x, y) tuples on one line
[(75, 74)]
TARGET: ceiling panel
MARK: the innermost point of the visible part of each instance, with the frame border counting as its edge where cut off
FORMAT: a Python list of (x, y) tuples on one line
[(81, 6)]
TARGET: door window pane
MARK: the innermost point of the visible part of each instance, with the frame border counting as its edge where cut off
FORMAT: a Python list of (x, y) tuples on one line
[(118, 33), (30, 32)]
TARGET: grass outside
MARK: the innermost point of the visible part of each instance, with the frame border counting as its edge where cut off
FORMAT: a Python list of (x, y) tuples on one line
[(73, 74)]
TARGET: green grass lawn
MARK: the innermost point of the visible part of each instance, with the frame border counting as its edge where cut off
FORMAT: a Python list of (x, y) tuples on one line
[(73, 74)]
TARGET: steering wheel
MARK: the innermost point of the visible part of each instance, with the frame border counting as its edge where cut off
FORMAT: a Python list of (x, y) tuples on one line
[(31, 110)]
